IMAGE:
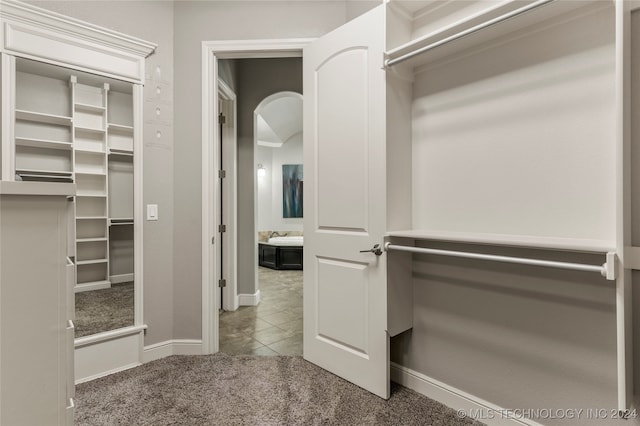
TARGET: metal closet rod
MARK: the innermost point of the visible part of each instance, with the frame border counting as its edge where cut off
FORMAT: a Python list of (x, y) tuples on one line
[(468, 31), (606, 270)]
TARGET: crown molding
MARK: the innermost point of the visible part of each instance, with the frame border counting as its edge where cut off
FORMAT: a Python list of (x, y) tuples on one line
[(40, 34)]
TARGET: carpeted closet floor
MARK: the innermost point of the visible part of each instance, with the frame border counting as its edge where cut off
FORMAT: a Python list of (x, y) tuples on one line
[(237, 387), (104, 310), (246, 390)]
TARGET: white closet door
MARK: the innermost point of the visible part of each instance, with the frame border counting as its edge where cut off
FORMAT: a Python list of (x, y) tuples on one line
[(345, 294)]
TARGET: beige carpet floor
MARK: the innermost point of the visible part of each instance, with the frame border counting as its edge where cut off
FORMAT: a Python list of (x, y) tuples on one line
[(246, 390)]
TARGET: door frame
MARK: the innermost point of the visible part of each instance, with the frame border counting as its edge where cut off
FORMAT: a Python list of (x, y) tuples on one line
[(211, 52), (228, 108)]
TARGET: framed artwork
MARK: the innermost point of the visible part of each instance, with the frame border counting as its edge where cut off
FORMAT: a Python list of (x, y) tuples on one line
[(292, 189)]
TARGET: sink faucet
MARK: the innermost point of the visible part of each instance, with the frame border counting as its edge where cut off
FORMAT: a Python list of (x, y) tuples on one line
[(276, 234)]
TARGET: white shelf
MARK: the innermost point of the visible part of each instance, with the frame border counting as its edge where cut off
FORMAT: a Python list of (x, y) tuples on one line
[(91, 285), (58, 173), (90, 217), (524, 241), (43, 143), (91, 262), (90, 173), (40, 117), (89, 130), (90, 240), (89, 108), (121, 152), (37, 188), (90, 151), (92, 195), (120, 221), (462, 35), (120, 128)]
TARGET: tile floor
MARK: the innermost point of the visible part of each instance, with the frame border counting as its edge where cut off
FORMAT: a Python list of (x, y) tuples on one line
[(274, 327)]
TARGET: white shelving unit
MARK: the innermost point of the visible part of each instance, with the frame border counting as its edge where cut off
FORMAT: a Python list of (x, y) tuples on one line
[(90, 172), (514, 117), (42, 126), (56, 76)]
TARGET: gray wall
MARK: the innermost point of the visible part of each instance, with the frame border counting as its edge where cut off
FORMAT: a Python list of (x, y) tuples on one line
[(257, 79), (172, 171), (152, 21), (219, 20)]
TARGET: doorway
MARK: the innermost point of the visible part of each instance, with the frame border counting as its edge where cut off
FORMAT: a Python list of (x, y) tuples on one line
[(269, 319), (247, 290)]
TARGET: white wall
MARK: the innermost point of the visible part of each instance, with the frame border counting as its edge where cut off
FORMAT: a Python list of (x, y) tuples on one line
[(270, 187)]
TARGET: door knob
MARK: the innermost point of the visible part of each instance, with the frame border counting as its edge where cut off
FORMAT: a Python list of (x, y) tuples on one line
[(375, 250)]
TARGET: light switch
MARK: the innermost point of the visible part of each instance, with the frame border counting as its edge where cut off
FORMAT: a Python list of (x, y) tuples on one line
[(152, 212)]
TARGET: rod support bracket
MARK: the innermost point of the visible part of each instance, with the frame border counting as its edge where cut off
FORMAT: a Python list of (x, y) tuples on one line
[(610, 266)]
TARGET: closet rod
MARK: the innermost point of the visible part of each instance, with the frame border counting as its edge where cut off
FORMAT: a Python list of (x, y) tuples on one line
[(468, 31), (606, 270)]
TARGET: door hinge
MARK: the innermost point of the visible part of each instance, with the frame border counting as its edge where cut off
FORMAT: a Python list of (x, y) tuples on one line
[(222, 174), (222, 228), (222, 283), (221, 118)]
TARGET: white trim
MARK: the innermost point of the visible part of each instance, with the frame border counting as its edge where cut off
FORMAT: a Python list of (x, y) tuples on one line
[(138, 213), (96, 285), (107, 373), (211, 52), (121, 278), (8, 117), (35, 33), (172, 347), (228, 107), (108, 335), (249, 299), (107, 353), (455, 398)]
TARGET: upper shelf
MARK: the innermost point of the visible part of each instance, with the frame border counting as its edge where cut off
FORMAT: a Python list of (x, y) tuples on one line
[(37, 188), (523, 241), (491, 22), (40, 117)]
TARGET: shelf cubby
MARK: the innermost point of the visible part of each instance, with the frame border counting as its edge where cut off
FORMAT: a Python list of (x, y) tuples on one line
[(89, 140), (36, 92), (91, 185), (91, 206), (91, 272), (44, 159), (91, 252), (33, 130), (91, 228), (120, 138)]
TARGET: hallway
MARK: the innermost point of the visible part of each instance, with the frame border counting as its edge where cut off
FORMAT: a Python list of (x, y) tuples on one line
[(274, 327)]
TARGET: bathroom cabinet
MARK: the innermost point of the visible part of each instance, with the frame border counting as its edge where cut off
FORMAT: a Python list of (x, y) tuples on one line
[(280, 257)]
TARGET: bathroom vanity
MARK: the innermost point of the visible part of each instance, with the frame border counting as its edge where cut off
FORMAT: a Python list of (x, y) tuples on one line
[(280, 255)]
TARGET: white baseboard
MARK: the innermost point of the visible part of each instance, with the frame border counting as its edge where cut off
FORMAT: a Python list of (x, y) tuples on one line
[(106, 373), (100, 358), (465, 403), (98, 285), (249, 299), (122, 278), (171, 347)]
